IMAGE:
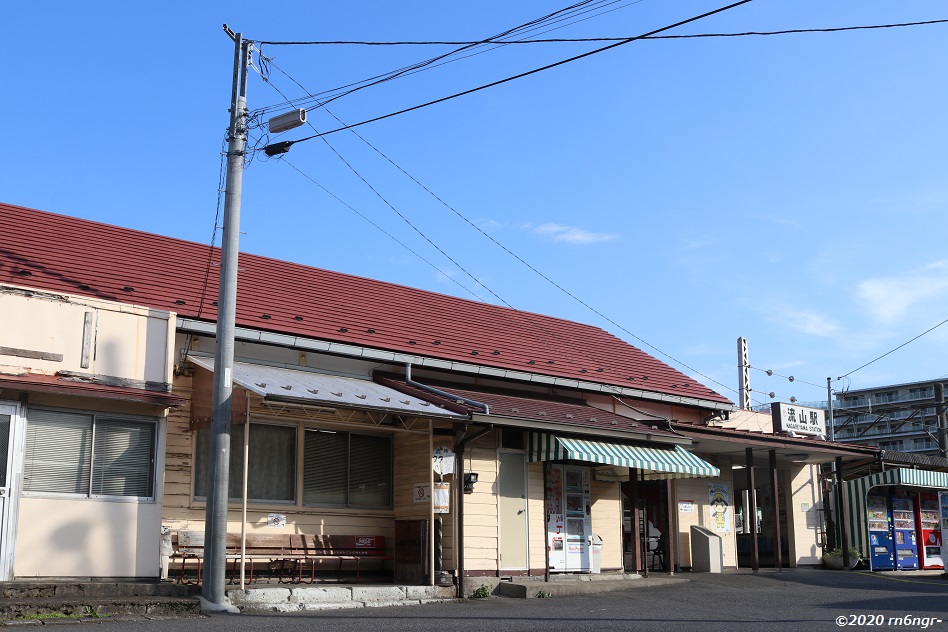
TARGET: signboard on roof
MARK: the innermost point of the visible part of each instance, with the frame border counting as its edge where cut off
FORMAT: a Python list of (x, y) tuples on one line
[(798, 419)]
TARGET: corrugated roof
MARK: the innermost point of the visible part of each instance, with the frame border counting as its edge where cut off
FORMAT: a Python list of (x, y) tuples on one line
[(66, 254), (280, 383), (569, 414), (62, 385)]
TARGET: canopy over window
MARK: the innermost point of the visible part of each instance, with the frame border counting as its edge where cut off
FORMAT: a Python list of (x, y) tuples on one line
[(657, 463)]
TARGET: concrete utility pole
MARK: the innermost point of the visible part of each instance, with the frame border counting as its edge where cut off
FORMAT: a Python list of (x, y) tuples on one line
[(215, 528)]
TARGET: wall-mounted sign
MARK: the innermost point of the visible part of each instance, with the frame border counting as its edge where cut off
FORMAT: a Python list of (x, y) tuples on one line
[(276, 521), (422, 493), (686, 506), (442, 495), (442, 460), (798, 419)]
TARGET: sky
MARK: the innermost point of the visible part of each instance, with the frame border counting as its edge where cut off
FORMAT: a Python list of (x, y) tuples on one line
[(679, 193)]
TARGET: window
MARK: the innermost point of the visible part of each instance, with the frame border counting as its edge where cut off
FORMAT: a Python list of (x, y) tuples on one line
[(347, 470), (272, 470), (89, 455)]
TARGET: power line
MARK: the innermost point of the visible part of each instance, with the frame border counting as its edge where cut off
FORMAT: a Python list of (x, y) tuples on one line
[(494, 241), (606, 39), (287, 144), (428, 64), (520, 313), (894, 350)]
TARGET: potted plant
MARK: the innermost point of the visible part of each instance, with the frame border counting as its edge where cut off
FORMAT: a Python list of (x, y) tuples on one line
[(833, 558)]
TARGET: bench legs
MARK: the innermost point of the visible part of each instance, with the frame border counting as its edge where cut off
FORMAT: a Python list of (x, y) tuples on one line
[(184, 559)]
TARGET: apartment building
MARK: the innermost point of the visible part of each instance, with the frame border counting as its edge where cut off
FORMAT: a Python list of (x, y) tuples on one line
[(897, 418)]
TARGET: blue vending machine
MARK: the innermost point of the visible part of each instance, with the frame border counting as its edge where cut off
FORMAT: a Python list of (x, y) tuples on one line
[(906, 543), (881, 552)]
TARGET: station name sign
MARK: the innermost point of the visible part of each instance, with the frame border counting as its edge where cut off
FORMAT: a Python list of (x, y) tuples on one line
[(798, 419)]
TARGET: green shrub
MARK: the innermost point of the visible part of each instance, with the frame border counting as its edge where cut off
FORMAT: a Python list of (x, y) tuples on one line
[(482, 592)]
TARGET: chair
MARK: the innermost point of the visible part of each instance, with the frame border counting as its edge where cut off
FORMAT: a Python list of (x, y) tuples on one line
[(658, 555)]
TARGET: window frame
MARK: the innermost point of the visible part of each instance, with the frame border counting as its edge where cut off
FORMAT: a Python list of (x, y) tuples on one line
[(97, 418), (347, 505), (234, 447)]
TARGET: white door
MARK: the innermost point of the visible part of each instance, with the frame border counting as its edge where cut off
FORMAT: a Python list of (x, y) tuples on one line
[(10, 430), (512, 511)]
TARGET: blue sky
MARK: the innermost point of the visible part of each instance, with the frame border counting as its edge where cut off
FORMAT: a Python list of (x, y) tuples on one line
[(789, 189)]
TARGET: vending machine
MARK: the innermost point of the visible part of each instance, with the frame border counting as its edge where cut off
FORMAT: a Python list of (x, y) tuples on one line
[(569, 521), (903, 527), (881, 552), (929, 529)]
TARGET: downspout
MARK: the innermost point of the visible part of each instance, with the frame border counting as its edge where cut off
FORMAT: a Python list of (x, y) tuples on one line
[(435, 391), (459, 446)]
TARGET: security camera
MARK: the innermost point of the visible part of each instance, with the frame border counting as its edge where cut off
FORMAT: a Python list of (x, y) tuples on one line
[(287, 121)]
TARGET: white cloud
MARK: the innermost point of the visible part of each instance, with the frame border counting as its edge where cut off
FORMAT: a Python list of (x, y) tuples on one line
[(572, 234), (805, 321), (888, 299), (780, 221)]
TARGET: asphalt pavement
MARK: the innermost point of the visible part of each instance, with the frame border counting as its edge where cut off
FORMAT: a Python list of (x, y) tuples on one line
[(796, 599)]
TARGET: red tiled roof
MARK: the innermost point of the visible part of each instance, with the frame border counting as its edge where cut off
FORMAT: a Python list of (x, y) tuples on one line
[(65, 254)]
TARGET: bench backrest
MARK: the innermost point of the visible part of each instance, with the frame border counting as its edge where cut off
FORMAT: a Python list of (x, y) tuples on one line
[(191, 542), (338, 544)]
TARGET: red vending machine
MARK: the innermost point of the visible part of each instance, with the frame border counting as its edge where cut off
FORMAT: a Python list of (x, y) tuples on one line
[(929, 543)]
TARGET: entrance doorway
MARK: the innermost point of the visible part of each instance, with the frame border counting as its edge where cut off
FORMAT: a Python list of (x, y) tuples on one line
[(512, 511)]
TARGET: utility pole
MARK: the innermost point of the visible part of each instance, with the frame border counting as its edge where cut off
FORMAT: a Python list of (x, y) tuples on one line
[(215, 528)]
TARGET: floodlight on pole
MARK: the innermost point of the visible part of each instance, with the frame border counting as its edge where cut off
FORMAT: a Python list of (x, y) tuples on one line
[(286, 122)]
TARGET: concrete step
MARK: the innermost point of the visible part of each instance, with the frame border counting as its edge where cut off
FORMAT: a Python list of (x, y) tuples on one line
[(91, 600), (299, 598)]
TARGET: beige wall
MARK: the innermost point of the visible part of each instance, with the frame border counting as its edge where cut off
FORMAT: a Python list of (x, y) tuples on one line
[(481, 529), (803, 513), (125, 341), (86, 538), (606, 500), (536, 511), (696, 489), (748, 420)]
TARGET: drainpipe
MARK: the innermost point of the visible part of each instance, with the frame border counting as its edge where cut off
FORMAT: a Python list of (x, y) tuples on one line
[(435, 391), (459, 446)]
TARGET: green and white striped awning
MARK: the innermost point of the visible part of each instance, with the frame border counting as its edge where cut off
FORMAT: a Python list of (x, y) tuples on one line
[(657, 463), (857, 490)]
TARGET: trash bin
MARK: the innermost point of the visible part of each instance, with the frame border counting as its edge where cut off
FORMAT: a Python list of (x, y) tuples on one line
[(595, 558), (707, 555)]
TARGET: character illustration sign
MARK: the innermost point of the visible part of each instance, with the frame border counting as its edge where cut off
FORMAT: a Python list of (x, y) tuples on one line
[(719, 500)]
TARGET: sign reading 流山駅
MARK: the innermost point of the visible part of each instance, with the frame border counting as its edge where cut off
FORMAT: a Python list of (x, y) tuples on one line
[(798, 419)]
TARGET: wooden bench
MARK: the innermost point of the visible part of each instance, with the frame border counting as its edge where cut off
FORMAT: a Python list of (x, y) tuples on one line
[(286, 554), (316, 549)]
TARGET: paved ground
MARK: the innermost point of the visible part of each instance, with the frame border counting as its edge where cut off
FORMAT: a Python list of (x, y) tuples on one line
[(799, 600)]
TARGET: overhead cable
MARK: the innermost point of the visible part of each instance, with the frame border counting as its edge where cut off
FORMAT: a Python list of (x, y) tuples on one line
[(605, 39), (524, 74)]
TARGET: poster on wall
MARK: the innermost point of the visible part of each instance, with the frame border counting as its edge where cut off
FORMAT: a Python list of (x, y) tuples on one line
[(719, 501)]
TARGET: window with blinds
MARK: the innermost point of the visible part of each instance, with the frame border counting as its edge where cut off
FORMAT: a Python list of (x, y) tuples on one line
[(89, 455), (271, 474), (347, 470)]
